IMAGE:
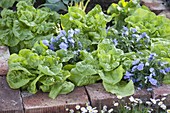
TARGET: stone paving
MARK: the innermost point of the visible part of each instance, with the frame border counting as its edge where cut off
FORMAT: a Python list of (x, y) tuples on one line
[(16, 101)]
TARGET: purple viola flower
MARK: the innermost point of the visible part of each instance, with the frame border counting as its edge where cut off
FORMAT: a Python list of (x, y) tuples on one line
[(71, 40), (134, 68), (45, 42), (140, 67), (135, 35), (62, 33), (167, 70), (162, 71), (76, 31), (128, 75), (144, 35), (125, 28), (151, 69), (136, 62), (115, 42), (64, 39), (51, 46), (153, 81), (134, 30), (151, 56), (153, 74), (70, 33), (53, 40), (63, 46)]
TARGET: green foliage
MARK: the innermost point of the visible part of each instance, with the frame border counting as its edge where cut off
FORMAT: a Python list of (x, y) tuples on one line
[(10, 3), (92, 25), (147, 21), (121, 11), (60, 5), (31, 71), (85, 52), (23, 28)]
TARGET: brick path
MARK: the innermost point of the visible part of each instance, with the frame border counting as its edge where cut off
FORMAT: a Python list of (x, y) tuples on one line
[(16, 101)]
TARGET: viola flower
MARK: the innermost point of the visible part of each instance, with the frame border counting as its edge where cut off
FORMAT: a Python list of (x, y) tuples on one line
[(152, 81), (64, 39), (140, 67), (136, 62), (115, 42), (134, 30), (70, 33), (151, 56), (76, 31), (125, 28), (167, 70), (134, 68), (151, 69), (51, 46), (128, 75), (63, 46), (144, 35), (45, 42), (62, 33), (162, 71), (53, 40)]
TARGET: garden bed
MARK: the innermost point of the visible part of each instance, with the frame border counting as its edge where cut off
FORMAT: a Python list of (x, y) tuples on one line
[(17, 101), (92, 61)]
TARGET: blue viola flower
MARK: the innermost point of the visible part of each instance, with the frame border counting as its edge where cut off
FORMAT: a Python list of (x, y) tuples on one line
[(153, 74), (53, 40), (71, 40), (64, 39), (162, 71), (151, 69), (128, 75), (76, 31), (134, 30), (135, 36), (62, 33), (63, 46), (144, 35), (115, 42), (51, 46), (140, 67), (125, 28), (70, 33), (45, 42), (167, 70), (153, 81), (151, 56), (134, 68), (136, 62)]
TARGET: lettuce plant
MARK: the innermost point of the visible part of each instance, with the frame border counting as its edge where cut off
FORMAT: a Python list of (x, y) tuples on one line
[(22, 28)]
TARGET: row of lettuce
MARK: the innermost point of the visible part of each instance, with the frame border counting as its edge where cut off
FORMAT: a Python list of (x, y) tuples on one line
[(126, 48)]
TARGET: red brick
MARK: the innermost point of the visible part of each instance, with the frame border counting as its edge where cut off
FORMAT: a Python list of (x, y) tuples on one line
[(4, 55), (99, 97), (10, 100), (160, 92), (142, 94), (41, 103)]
